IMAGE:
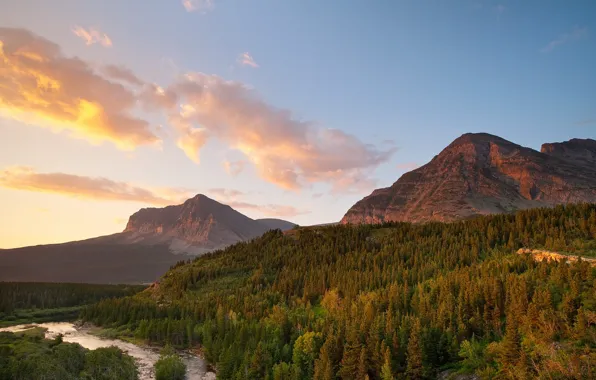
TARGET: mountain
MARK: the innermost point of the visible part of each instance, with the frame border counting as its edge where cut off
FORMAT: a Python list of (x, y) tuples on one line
[(154, 239), (197, 226), (480, 174)]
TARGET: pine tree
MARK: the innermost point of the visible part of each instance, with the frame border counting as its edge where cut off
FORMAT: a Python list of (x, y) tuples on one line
[(351, 357), (362, 364), (257, 367), (414, 369), (510, 346), (386, 371)]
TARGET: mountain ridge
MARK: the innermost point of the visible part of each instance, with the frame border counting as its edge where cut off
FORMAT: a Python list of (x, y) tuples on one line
[(479, 174)]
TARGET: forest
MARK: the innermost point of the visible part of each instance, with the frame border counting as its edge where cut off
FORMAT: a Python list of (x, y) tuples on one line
[(24, 302), (391, 301)]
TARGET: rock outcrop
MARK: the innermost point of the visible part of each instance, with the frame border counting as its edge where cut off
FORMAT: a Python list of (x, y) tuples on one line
[(539, 255), (480, 174)]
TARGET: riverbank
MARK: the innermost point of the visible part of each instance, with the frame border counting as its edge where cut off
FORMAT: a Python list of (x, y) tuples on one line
[(145, 356)]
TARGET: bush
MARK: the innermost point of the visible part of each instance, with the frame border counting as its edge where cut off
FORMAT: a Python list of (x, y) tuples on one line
[(169, 366)]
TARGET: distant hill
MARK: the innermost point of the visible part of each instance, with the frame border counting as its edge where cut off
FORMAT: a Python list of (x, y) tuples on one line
[(277, 224), (479, 174), (153, 240)]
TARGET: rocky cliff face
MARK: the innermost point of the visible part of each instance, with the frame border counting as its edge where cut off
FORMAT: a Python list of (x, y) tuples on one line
[(484, 174), (200, 224), (578, 151)]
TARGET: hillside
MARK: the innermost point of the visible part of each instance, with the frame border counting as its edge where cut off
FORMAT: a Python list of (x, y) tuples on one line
[(480, 174), (395, 300)]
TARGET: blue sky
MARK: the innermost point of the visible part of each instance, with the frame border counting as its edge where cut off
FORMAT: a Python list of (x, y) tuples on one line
[(405, 77)]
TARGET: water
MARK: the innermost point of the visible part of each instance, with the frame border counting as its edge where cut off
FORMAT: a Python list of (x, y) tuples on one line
[(196, 368)]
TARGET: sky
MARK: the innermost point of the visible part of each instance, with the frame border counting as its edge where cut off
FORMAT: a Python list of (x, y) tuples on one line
[(287, 109)]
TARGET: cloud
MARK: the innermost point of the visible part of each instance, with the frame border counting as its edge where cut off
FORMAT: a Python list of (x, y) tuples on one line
[(287, 152), (246, 59), (96, 188), (123, 74), (586, 122), (226, 193), (575, 34), (281, 211), (407, 166), (92, 36), (198, 5), (41, 86), (233, 197), (234, 168), (317, 195)]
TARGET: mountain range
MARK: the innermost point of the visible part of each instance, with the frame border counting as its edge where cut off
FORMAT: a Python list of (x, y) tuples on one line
[(476, 174), (479, 174)]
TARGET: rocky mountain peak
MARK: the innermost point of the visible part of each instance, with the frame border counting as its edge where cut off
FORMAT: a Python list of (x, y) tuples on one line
[(479, 173)]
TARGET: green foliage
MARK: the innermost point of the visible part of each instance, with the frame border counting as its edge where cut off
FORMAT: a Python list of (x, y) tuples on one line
[(28, 356), (109, 363), (169, 366), (28, 302), (389, 301)]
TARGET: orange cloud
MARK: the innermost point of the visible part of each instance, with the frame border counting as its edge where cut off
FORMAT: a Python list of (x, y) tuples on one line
[(288, 152), (41, 86), (96, 188), (92, 36), (246, 59), (104, 189)]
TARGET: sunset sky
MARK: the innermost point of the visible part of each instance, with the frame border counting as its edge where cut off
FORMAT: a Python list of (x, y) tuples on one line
[(288, 109)]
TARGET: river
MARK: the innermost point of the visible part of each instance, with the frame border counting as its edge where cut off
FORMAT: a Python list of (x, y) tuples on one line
[(196, 367)]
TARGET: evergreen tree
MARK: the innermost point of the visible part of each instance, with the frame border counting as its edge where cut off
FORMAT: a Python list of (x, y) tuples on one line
[(415, 368), (386, 371)]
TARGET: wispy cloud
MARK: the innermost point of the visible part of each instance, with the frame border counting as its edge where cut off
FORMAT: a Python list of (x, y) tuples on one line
[(281, 211), (233, 198), (41, 86), (407, 166), (226, 194), (575, 34), (96, 188), (92, 36), (123, 74), (198, 5), (245, 59), (586, 122), (286, 151), (234, 168)]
